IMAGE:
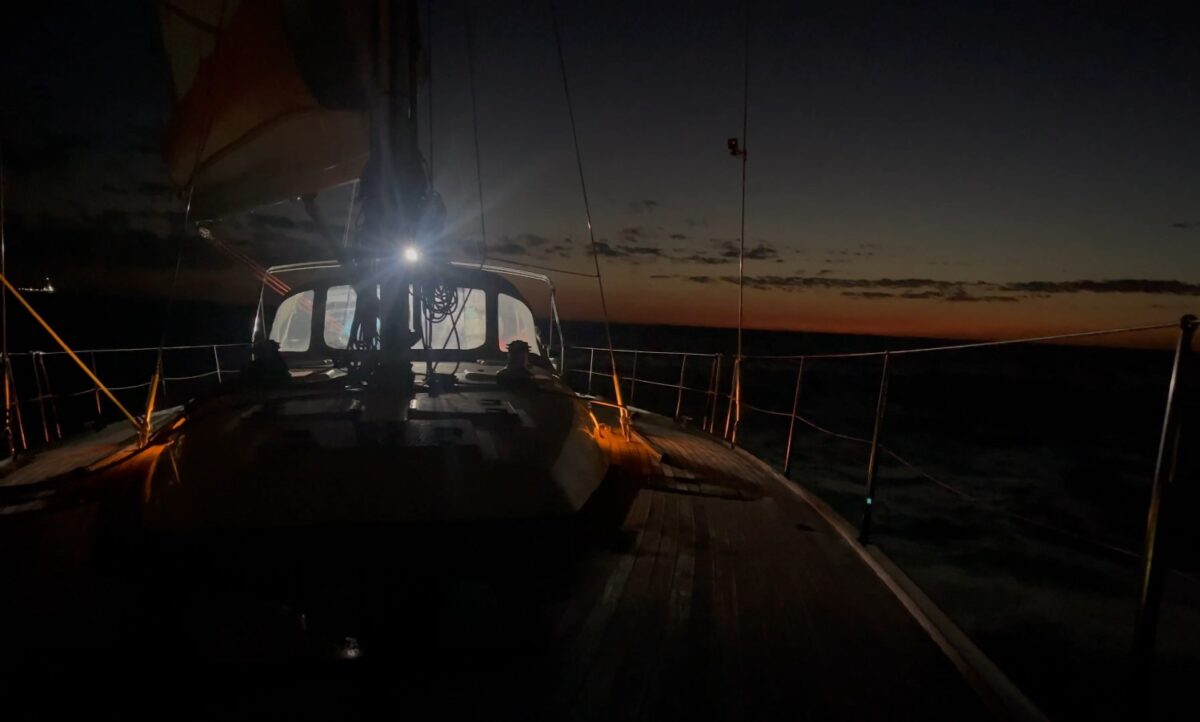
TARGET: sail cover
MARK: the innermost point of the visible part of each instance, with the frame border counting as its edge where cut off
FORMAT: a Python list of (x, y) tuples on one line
[(272, 96)]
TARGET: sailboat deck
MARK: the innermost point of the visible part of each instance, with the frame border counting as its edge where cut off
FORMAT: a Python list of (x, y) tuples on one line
[(732, 598), (723, 594), (78, 453)]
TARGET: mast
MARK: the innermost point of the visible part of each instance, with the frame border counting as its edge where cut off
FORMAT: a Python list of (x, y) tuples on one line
[(395, 191)]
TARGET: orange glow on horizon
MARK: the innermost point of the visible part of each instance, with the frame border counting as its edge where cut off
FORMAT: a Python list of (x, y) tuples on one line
[(639, 301)]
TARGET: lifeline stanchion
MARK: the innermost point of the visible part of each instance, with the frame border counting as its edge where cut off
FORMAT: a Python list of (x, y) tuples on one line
[(41, 396), (864, 535), (1157, 517), (787, 454), (217, 364), (716, 395), (591, 366), (41, 361), (633, 377), (679, 396)]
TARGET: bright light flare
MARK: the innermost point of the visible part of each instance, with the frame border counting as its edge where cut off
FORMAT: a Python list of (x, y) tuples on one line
[(411, 254)]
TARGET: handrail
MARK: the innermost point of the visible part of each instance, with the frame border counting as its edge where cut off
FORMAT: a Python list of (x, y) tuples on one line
[(128, 387), (971, 345), (644, 351), (647, 381), (131, 350), (47, 397)]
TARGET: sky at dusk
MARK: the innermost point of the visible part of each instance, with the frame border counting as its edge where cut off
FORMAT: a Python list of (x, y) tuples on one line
[(936, 169)]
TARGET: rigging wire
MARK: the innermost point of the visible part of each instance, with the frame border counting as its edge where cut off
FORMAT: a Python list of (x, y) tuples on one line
[(350, 214), (9, 382), (12, 449), (737, 416), (152, 394), (429, 61), (175, 274), (548, 269), (3, 292), (201, 146), (482, 247), (444, 307), (971, 345), (475, 135), (587, 210), (262, 273)]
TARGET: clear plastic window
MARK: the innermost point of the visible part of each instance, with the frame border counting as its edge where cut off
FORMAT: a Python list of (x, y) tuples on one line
[(464, 328), (516, 323), (292, 328), (339, 315)]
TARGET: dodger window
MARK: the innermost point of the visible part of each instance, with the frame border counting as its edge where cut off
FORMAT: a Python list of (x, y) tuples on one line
[(465, 328), (516, 323), (292, 328)]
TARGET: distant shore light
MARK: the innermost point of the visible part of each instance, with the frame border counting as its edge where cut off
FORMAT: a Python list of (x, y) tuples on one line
[(47, 288)]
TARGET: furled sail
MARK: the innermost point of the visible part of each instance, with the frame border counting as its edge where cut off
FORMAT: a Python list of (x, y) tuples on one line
[(274, 99)]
